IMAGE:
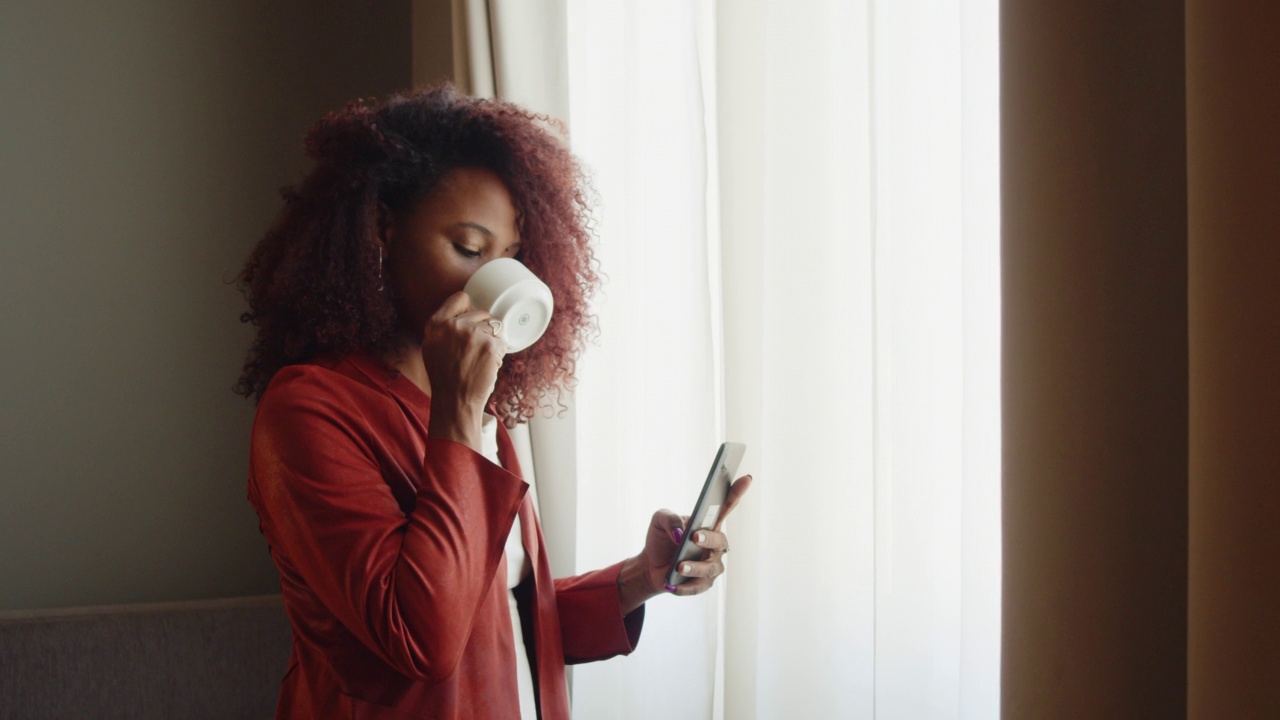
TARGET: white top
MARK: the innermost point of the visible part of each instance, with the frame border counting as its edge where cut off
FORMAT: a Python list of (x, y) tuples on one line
[(518, 568)]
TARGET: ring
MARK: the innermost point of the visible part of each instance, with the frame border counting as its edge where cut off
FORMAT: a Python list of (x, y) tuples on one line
[(496, 325)]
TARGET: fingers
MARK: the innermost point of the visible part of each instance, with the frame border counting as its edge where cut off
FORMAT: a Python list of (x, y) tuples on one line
[(463, 352), (699, 578), (691, 587), (710, 569), (711, 540), (470, 317), (711, 566), (669, 524), (453, 306), (471, 322), (731, 499), (699, 575), (493, 328), (475, 320), (457, 309)]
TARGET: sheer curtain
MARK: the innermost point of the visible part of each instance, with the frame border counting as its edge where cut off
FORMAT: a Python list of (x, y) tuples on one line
[(860, 232), (647, 404), (838, 161)]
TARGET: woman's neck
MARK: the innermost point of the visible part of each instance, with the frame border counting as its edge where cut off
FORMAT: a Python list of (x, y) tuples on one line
[(406, 358)]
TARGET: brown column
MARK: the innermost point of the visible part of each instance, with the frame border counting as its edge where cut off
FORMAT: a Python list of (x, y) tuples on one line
[(1233, 159), (1095, 373)]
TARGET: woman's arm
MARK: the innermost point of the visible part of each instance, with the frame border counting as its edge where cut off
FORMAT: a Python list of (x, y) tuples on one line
[(407, 587), (601, 613), (592, 624)]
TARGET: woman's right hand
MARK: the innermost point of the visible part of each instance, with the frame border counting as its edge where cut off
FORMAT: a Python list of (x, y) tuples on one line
[(462, 354)]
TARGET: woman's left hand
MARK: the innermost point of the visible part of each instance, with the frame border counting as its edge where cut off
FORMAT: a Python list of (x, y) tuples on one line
[(645, 575)]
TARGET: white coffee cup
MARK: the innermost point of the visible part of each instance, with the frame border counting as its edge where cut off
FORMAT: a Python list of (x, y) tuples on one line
[(513, 294)]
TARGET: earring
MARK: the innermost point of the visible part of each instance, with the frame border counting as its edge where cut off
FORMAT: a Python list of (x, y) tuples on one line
[(379, 268)]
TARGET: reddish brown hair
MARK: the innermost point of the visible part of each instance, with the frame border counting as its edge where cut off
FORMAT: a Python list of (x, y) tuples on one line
[(313, 282)]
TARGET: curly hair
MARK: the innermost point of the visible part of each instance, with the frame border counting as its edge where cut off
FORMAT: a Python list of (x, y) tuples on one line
[(313, 282)]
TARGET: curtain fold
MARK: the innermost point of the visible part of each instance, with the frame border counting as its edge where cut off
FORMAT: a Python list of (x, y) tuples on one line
[(1094, 260), (1233, 191), (1141, 281), (859, 176)]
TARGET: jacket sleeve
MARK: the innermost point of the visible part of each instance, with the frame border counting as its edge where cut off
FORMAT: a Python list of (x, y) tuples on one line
[(407, 586), (592, 626)]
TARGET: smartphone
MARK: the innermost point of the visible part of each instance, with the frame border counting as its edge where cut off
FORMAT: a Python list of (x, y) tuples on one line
[(707, 510)]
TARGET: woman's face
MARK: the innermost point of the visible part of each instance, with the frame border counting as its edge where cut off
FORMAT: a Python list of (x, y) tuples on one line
[(467, 221)]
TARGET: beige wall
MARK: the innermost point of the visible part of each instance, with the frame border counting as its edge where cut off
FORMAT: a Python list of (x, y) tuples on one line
[(141, 146), (1094, 359), (432, 40)]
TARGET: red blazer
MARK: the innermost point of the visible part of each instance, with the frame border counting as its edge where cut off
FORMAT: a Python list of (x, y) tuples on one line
[(390, 552)]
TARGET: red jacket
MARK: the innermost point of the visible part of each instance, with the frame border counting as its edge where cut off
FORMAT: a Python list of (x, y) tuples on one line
[(390, 552)]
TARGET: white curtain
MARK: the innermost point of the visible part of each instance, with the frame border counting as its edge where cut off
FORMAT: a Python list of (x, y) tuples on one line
[(860, 231), (648, 398), (838, 160)]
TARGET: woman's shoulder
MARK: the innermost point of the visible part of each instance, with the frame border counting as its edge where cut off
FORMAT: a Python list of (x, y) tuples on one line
[(333, 384)]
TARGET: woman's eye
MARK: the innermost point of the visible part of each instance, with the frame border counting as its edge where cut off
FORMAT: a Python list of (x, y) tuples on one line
[(466, 251)]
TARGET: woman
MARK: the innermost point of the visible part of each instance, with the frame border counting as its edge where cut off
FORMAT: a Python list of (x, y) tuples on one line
[(409, 552)]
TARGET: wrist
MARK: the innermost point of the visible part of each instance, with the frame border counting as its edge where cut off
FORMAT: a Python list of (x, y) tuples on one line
[(457, 422), (634, 584)]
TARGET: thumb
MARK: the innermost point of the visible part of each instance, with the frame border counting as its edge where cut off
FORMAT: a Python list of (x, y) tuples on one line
[(734, 496)]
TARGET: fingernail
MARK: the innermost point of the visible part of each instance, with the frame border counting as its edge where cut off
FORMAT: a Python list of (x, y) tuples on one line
[(687, 569), (698, 537), (678, 534), (670, 588)]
